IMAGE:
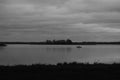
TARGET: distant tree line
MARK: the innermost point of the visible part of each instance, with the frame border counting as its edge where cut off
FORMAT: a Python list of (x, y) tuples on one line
[(68, 41), (64, 42)]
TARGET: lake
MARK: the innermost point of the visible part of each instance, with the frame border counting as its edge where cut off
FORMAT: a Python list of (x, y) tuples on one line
[(52, 54)]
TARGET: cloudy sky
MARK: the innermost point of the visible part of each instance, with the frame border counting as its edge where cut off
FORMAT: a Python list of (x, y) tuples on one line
[(37, 20)]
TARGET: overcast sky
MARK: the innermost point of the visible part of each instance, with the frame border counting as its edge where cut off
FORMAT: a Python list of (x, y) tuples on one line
[(37, 20)]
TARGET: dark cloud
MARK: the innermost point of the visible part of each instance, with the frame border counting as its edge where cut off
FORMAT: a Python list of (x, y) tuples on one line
[(77, 19)]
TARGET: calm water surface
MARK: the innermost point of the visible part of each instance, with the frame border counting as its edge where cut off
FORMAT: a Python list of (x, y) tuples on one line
[(31, 54)]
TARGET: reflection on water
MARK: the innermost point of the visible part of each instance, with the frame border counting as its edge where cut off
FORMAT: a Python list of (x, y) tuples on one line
[(29, 54), (59, 49), (2, 48)]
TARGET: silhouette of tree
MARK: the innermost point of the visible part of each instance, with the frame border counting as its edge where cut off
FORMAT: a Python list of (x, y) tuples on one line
[(68, 41)]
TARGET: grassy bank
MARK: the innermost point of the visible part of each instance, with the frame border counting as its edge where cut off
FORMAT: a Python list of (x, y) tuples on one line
[(61, 71)]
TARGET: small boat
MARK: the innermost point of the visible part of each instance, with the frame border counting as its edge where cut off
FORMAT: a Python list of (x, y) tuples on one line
[(2, 45), (79, 47)]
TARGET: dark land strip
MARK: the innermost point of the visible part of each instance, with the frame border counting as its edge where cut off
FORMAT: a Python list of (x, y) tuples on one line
[(61, 71), (73, 43)]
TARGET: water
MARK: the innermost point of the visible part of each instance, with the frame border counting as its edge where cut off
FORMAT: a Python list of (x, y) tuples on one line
[(31, 54)]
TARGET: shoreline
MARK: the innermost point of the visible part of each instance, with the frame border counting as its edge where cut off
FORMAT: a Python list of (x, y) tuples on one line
[(61, 71), (73, 43)]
